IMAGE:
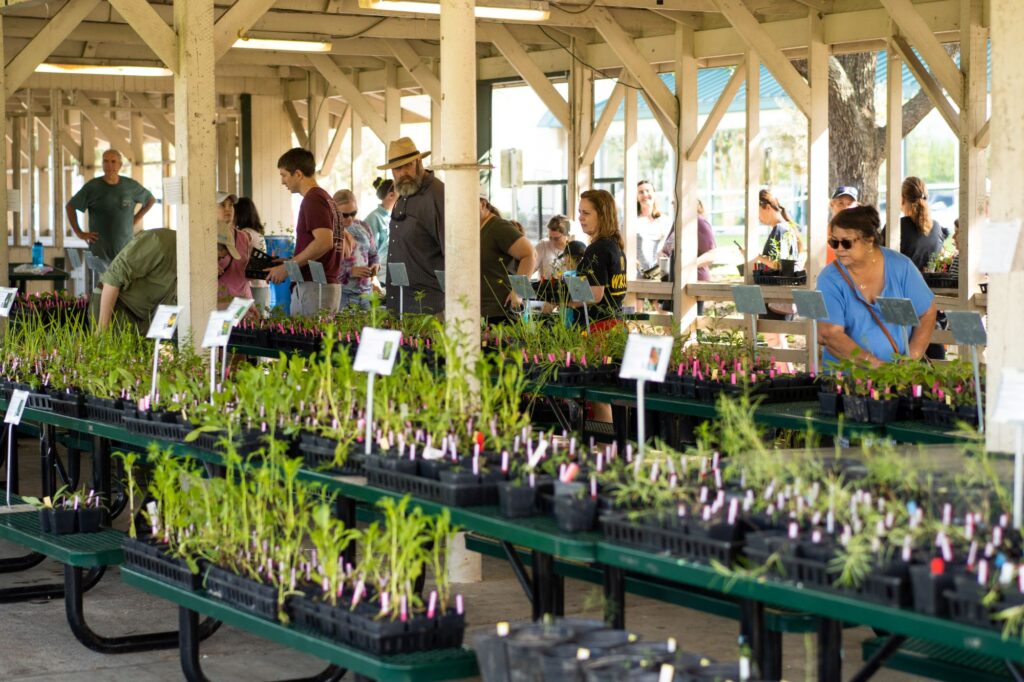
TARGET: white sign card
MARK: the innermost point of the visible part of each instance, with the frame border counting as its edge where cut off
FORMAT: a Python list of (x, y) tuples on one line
[(440, 278), (377, 351), (398, 275), (165, 321), (998, 246), (316, 271), (7, 297), (646, 357), (1010, 399), (579, 289), (218, 329), (174, 190), (16, 407), (238, 308), (294, 272)]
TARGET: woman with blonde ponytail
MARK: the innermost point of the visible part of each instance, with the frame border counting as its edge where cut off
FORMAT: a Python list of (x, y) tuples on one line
[(921, 238)]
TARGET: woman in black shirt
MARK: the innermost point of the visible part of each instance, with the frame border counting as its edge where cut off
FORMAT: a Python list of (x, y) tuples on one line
[(921, 239), (603, 263)]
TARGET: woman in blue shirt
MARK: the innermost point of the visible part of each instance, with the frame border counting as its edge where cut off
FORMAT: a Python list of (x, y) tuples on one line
[(862, 273)]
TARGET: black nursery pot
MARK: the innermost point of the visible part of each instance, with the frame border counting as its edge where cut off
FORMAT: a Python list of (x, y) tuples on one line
[(63, 521), (432, 468), (46, 520), (89, 519), (830, 403), (458, 477), (928, 589), (882, 411), (575, 514), (856, 408), (516, 499), (787, 267)]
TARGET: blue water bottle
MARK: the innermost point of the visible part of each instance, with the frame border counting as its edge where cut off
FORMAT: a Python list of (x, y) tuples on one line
[(37, 255)]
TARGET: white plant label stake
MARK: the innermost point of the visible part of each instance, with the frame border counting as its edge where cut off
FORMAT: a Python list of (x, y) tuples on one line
[(238, 308), (218, 331), (15, 408), (646, 359), (377, 351), (316, 271), (7, 297), (162, 328), (1009, 409)]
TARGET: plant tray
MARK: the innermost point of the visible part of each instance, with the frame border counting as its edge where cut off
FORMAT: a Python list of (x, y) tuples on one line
[(37, 400), (243, 593), (676, 541), (965, 607), (318, 454), (246, 442), (772, 278), (68, 404), (451, 494), (150, 559), (162, 425), (939, 414), (941, 280), (104, 410)]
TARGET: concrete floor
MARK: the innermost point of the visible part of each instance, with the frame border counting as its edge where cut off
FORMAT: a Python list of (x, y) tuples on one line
[(37, 644)]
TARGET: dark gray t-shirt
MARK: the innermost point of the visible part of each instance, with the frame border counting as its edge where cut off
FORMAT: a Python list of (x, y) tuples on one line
[(111, 212), (416, 238)]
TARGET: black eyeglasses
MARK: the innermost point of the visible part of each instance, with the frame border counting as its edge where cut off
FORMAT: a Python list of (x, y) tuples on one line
[(847, 244), (398, 213), (349, 215)]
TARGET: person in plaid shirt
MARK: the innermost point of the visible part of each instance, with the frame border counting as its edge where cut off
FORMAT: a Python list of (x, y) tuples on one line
[(359, 267)]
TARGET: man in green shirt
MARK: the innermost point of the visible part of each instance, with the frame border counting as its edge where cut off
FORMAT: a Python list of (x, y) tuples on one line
[(110, 200), (141, 277)]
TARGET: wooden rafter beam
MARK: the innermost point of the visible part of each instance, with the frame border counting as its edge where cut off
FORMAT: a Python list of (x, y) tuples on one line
[(982, 138), (420, 72), (236, 21), (45, 42), (153, 114), (105, 125), (335, 146), (528, 69), (637, 65), (611, 106), (754, 35), (297, 127), (349, 91), (928, 83), (913, 26), (717, 113), (153, 30)]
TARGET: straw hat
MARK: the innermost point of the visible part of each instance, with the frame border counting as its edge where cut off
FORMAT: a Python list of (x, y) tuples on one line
[(402, 151)]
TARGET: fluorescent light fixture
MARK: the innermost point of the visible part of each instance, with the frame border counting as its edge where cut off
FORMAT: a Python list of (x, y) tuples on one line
[(513, 10), (283, 45), (100, 70)]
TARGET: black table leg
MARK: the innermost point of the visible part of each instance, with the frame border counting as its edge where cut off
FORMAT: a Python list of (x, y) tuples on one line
[(615, 597), (21, 563), (878, 659), (830, 650), (101, 478), (115, 645), (10, 595), (191, 634), (548, 597), (765, 646)]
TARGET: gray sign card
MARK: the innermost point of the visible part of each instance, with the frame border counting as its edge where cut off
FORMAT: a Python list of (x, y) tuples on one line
[(440, 278), (810, 304), (579, 289), (899, 311), (967, 327), (294, 273), (316, 271), (398, 275), (749, 299), (75, 257), (521, 285)]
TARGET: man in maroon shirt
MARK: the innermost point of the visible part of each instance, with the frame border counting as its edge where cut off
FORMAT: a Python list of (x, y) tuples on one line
[(314, 236)]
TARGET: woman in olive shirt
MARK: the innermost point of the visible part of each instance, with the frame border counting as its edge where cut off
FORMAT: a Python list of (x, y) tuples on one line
[(500, 244)]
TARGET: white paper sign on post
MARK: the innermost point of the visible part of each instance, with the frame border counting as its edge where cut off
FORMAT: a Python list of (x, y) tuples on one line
[(7, 298), (645, 359), (998, 246), (218, 329), (164, 323), (14, 200), (15, 408), (238, 308), (174, 190), (376, 354)]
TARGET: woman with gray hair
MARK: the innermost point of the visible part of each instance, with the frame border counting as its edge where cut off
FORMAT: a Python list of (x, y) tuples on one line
[(551, 249), (359, 269)]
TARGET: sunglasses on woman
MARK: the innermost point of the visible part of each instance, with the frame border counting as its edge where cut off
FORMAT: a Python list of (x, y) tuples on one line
[(847, 244), (349, 215)]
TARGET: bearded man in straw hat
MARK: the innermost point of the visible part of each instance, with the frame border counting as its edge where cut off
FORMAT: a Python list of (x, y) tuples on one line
[(417, 228)]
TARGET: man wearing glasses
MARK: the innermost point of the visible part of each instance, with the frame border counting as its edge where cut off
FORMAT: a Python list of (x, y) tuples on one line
[(417, 228)]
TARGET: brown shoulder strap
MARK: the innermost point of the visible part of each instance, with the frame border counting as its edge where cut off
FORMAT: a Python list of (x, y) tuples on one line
[(874, 315)]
